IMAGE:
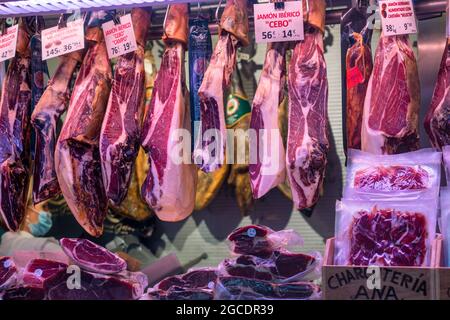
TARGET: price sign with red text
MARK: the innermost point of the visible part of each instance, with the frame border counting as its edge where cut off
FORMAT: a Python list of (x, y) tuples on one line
[(397, 17), (278, 25), (119, 38), (58, 41), (8, 43)]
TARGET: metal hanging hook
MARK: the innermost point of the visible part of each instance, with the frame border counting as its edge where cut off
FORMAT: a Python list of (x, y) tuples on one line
[(165, 19), (307, 10), (199, 8), (217, 11), (62, 21)]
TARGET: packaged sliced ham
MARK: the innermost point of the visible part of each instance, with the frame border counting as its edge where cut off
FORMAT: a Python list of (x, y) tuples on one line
[(445, 223), (282, 267), (261, 241), (385, 232), (446, 152), (412, 175)]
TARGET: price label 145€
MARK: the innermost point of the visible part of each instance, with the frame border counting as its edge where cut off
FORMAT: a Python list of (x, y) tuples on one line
[(279, 25), (397, 17), (58, 41), (120, 38), (8, 43)]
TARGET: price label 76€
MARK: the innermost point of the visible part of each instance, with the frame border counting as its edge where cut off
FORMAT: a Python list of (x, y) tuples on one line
[(120, 38), (58, 41)]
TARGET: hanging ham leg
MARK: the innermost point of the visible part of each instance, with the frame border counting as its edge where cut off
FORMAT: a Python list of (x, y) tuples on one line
[(15, 161), (210, 147), (77, 157), (307, 143), (268, 149), (437, 121), (119, 139), (44, 119), (169, 188), (391, 107)]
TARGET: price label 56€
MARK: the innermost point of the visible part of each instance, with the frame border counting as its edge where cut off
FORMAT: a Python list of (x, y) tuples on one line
[(397, 17), (120, 38), (58, 41), (278, 25)]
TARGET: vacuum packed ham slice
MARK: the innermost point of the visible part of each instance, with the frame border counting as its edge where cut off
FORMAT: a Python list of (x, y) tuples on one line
[(15, 131), (169, 188), (210, 147), (92, 257), (437, 121), (391, 107), (268, 149), (307, 143), (8, 273), (44, 119), (121, 129), (77, 156)]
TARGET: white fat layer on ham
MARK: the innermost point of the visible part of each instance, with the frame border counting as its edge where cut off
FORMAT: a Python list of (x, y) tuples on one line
[(267, 99), (175, 191)]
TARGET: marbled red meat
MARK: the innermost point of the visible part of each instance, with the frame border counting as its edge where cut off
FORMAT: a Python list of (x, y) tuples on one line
[(195, 279), (15, 161), (179, 293), (437, 121), (8, 273), (391, 108), (92, 257), (391, 178), (121, 128), (388, 237), (24, 293), (307, 142), (280, 266), (251, 240), (43, 273)]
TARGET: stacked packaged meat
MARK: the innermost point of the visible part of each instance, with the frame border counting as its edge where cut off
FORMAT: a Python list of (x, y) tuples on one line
[(89, 272), (261, 267), (388, 215)]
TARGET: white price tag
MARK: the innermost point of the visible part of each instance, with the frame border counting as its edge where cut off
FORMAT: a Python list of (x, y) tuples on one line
[(278, 25), (58, 41), (120, 38), (397, 17), (8, 43)]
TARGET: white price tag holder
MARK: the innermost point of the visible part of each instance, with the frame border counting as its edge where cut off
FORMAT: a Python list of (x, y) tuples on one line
[(278, 23), (119, 37), (8, 43), (397, 17), (58, 41)]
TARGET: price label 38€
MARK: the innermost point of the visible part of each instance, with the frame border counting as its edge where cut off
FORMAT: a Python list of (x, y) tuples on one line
[(397, 17), (120, 38), (278, 25), (58, 41)]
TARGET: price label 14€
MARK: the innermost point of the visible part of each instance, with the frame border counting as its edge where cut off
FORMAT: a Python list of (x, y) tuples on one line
[(59, 41), (397, 17), (278, 25), (120, 38), (8, 43)]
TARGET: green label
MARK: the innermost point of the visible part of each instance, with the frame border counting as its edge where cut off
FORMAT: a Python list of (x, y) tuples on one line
[(237, 107)]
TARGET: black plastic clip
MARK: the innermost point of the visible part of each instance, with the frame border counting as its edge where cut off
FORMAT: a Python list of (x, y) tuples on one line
[(62, 22), (279, 5), (116, 19)]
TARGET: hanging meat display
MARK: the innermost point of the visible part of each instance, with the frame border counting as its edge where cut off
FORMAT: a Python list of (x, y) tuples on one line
[(391, 107), (44, 119), (15, 155), (200, 50), (77, 156), (307, 143), (359, 68), (238, 115), (356, 68), (121, 128), (269, 169), (169, 188), (210, 147), (437, 122)]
